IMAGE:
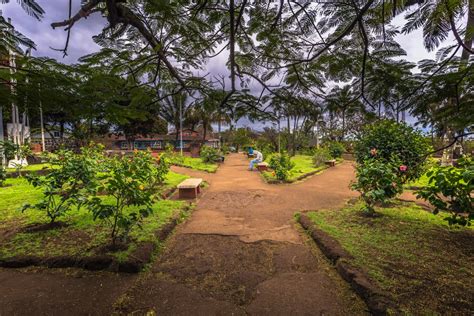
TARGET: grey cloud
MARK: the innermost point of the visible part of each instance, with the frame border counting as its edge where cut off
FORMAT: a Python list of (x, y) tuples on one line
[(45, 37)]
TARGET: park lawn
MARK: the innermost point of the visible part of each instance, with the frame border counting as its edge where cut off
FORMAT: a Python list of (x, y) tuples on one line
[(303, 166), (421, 182), (194, 163), (33, 167), (427, 266), (82, 236)]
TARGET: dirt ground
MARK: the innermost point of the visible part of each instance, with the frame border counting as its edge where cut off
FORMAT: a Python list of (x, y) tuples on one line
[(239, 253)]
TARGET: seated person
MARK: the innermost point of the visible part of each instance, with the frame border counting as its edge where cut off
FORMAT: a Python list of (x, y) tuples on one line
[(258, 159), (250, 151)]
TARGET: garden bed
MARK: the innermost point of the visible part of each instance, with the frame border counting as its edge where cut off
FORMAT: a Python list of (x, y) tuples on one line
[(194, 163), (304, 168), (414, 256), (78, 240)]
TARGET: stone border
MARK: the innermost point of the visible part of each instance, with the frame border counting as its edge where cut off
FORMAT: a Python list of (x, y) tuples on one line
[(41, 172), (137, 260), (377, 301), (177, 164)]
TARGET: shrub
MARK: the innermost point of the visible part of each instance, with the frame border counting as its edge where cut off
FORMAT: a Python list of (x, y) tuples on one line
[(281, 165), (386, 139), (336, 149), (450, 189), (209, 154), (377, 181), (162, 168), (3, 176), (9, 149), (129, 183), (66, 184), (321, 155)]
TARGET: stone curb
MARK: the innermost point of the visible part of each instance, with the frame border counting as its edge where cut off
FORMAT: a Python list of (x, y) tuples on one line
[(377, 301)]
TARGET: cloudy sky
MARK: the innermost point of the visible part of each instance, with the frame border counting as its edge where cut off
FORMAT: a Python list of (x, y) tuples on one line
[(81, 42)]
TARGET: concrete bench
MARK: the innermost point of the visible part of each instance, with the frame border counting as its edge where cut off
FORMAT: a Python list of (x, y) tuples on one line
[(189, 188), (330, 163), (250, 155), (262, 166)]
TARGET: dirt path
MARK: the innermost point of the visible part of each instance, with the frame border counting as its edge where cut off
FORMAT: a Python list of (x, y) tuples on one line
[(241, 253)]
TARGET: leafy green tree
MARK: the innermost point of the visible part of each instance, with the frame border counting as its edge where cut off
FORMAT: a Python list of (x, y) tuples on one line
[(129, 183), (70, 179), (386, 140), (450, 189)]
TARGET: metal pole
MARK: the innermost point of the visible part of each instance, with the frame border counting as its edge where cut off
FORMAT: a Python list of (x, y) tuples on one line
[(181, 127), (279, 136), (43, 143)]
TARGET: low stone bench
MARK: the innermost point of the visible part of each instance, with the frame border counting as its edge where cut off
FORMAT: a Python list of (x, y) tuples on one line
[(330, 163), (262, 166), (189, 188)]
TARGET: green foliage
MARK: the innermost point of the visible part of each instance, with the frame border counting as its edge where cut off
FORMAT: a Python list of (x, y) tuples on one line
[(377, 181), (386, 139), (450, 189), (162, 168), (266, 150), (209, 154), (281, 165), (241, 138), (71, 177), (3, 176), (9, 149), (320, 156), (336, 149), (129, 183)]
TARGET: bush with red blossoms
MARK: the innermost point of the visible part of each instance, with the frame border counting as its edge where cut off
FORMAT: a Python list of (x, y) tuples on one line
[(386, 140)]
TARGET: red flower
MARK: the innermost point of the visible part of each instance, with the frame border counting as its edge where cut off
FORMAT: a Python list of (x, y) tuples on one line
[(403, 168), (373, 151)]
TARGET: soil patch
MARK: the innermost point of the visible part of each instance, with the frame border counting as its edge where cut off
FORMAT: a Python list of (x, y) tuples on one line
[(34, 228), (262, 277), (42, 291)]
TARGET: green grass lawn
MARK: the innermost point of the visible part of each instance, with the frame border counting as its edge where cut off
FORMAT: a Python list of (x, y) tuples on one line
[(303, 165), (82, 236), (35, 167), (421, 182), (414, 255), (194, 163)]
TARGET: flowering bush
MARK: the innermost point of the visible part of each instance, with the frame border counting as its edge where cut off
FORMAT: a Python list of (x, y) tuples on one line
[(450, 189), (281, 165), (387, 139), (377, 181), (129, 184), (320, 156)]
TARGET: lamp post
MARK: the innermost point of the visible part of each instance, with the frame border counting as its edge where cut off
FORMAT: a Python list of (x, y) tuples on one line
[(181, 127)]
